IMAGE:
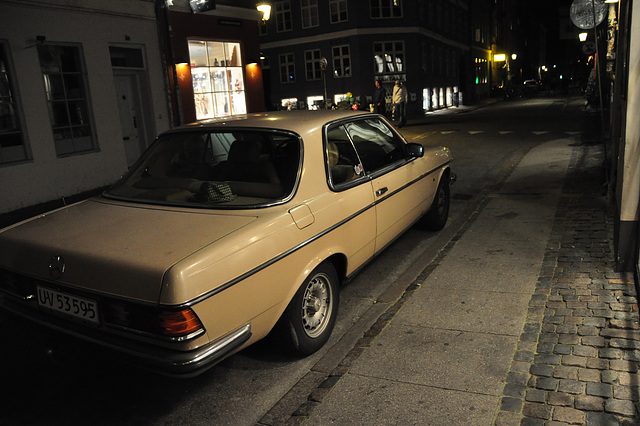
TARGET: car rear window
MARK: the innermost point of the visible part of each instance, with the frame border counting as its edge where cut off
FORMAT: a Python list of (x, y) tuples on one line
[(213, 168)]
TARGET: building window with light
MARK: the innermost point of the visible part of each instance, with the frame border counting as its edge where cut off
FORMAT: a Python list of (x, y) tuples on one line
[(287, 68), (218, 79), (389, 57), (386, 8), (66, 89), (283, 16), (338, 11), (309, 10), (312, 64), (341, 61), (481, 71), (13, 147)]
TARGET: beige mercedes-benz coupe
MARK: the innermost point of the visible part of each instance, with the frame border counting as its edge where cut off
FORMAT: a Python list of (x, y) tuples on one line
[(223, 232)]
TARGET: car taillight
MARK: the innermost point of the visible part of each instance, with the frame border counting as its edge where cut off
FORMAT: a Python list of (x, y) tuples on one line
[(179, 324)]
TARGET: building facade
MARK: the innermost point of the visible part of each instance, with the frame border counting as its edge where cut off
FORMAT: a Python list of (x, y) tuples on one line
[(81, 93), (86, 85), (336, 50)]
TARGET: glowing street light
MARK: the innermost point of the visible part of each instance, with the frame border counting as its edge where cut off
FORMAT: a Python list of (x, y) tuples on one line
[(265, 8)]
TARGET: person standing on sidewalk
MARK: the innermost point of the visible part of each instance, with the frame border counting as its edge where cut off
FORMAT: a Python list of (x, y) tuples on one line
[(400, 98), (379, 99)]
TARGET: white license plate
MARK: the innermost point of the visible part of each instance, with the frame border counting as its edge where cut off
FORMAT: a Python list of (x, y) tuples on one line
[(77, 307)]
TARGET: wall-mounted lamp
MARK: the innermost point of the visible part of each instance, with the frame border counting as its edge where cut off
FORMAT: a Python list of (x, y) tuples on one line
[(583, 36), (514, 56), (262, 56), (611, 1), (265, 8)]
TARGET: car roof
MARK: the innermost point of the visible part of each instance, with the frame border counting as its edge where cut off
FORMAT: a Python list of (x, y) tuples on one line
[(298, 121)]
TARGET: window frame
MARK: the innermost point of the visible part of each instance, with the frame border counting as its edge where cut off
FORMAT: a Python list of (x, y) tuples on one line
[(11, 97), (341, 61), (287, 65), (393, 11), (284, 22), (68, 146), (312, 64), (389, 57), (309, 13), (336, 9)]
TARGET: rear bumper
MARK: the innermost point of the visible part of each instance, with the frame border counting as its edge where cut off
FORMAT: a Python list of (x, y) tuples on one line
[(141, 354)]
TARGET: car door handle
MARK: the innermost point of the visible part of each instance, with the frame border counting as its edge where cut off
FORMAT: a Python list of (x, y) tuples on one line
[(381, 191)]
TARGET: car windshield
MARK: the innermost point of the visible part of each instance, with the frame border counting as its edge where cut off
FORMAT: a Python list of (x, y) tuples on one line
[(221, 169)]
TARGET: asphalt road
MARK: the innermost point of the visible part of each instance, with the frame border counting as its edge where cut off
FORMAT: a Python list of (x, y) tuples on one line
[(260, 385)]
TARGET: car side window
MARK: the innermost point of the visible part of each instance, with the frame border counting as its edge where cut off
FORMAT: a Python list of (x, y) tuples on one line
[(376, 144), (343, 164)]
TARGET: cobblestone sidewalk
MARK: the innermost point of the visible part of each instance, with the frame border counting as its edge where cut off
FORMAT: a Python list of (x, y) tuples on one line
[(578, 357)]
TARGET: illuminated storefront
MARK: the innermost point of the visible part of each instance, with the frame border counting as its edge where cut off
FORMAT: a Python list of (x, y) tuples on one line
[(218, 81)]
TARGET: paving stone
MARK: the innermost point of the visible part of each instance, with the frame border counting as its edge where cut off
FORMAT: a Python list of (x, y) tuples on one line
[(588, 375), (618, 406), (560, 398), (623, 365), (546, 383), (578, 361), (585, 351), (589, 403), (631, 393), (562, 349), (539, 411), (543, 370), (571, 386), (629, 379), (535, 395), (596, 341), (564, 372), (568, 415), (608, 376), (511, 404), (599, 389)]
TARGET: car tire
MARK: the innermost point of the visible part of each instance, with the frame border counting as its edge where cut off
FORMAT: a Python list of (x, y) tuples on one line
[(308, 321), (436, 217)]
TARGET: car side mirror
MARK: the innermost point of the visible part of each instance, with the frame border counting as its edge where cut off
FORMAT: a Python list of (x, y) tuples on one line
[(415, 150)]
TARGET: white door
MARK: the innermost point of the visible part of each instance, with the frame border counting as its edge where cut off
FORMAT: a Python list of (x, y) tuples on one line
[(129, 106)]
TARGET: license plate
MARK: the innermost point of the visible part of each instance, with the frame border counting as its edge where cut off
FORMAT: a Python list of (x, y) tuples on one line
[(77, 307)]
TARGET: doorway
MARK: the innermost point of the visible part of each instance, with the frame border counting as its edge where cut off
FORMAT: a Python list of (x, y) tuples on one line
[(131, 118)]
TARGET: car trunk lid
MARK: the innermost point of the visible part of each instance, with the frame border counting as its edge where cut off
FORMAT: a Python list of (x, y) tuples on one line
[(115, 249)]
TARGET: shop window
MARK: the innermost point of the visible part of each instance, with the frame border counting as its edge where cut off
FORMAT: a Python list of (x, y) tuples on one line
[(315, 102), (309, 10), (287, 68), (283, 16), (341, 61), (289, 103), (389, 57), (338, 11), (218, 81), (312, 63), (67, 96), (386, 8), (12, 139)]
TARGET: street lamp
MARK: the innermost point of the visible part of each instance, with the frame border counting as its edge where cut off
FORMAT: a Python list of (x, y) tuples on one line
[(265, 8), (583, 36)]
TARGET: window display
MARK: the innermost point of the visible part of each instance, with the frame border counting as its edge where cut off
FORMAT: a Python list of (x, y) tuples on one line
[(218, 80)]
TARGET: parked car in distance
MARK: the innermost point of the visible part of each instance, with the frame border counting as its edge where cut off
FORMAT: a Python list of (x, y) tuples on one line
[(225, 231)]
